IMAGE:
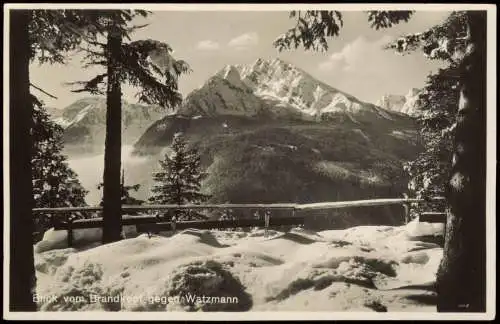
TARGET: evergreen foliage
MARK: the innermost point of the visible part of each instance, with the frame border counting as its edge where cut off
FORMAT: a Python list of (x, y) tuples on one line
[(45, 36), (179, 180), (146, 65), (460, 41), (55, 184), (430, 170), (313, 27)]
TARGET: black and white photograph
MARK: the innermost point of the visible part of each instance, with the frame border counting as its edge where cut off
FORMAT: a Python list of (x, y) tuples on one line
[(249, 161)]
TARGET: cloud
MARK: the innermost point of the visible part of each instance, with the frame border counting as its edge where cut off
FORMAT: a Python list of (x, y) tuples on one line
[(207, 45), (244, 41), (360, 55)]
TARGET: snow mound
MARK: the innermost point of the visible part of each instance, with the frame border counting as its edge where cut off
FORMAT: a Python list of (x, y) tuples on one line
[(259, 232), (197, 236), (295, 237), (417, 229), (365, 268), (53, 239), (48, 262), (208, 278)]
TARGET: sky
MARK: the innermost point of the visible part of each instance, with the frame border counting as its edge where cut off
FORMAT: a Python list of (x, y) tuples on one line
[(355, 62)]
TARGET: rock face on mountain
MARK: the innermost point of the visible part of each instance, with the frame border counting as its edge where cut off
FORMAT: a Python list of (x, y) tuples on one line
[(273, 88), (269, 132), (407, 104), (84, 122)]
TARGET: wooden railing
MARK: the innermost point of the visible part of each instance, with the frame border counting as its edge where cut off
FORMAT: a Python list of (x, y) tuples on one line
[(155, 223), (283, 206)]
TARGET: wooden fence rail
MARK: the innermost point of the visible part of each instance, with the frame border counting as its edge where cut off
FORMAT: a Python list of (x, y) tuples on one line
[(432, 217), (220, 224), (154, 224), (285, 206)]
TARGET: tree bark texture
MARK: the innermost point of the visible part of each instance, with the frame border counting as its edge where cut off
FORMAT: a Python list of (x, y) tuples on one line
[(21, 267), (461, 278), (112, 151)]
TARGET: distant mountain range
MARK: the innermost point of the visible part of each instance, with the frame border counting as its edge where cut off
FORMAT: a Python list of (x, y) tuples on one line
[(270, 132), (84, 122), (407, 104)]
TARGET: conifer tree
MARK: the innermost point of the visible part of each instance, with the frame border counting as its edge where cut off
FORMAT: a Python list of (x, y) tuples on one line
[(460, 40), (429, 171), (55, 184), (45, 36), (179, 181), (146, 65)]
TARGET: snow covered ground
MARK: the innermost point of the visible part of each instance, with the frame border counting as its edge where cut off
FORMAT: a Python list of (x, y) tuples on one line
[(365, 268)]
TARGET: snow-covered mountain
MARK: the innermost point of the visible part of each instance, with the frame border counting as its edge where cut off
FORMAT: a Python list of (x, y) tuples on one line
[(274, 87), (84, 121), (406, 104)]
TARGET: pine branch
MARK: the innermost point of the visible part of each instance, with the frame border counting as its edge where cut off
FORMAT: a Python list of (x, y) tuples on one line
[(91, 86), (141, 60), (311, 30), (42, 91), (91, 52), (135, 27), (387, 19), (75, 30), (153, 92)]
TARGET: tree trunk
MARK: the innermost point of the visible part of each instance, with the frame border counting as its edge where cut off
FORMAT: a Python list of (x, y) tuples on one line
[(112, 150), (461, 278), (22, 270)]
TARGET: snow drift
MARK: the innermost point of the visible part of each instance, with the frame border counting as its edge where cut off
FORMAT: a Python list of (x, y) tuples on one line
[(366, 268)]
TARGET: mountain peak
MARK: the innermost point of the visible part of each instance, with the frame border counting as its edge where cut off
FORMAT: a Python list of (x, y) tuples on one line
[(259, 61), (271, 85), (230, 73), (406, 104), (85, 119), (413, 92)]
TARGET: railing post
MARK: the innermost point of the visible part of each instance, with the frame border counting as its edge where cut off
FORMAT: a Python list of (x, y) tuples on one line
[(69, 223), (406, 206), (407, 213), (267, 216), (229, 216), (293, 215), (173, 223)]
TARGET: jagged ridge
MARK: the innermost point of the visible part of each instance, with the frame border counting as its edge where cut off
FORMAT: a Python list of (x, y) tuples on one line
[(84, 121), (407, 104), (272, 87)]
